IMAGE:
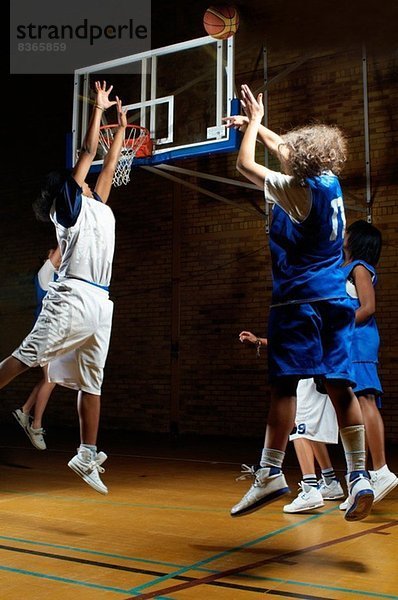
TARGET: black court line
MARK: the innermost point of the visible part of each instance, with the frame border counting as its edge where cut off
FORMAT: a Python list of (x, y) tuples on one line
[(237, 570), (93, 563)]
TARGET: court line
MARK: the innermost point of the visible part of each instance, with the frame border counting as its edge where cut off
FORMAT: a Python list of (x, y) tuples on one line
[(220, 584), (68, 581), (234, 550), (243, 587), (278, 558)]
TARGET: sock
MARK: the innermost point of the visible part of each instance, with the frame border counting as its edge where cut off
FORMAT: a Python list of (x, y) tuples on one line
[(328, 475), (93, 449), (272, 458), (383, 469), (353, 439), (310, 479)]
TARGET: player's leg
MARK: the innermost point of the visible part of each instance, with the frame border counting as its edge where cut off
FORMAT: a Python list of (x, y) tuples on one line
[(88, 364), (329, 485), (338, 326), (309, 496), (269, 482), (383, 480), (10, 368), (38, 399)]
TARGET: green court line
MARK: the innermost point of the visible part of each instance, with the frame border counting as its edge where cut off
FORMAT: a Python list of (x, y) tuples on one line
[(93, 552), (147, 561), (64, 580), (215, 557)]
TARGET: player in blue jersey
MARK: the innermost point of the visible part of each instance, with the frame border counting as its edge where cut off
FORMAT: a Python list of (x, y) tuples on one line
[(362, 247), (38, 398), (73, 329), (311, 320)]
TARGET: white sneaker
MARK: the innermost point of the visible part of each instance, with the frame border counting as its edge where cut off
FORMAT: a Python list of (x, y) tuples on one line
[(332, 490), (88, 467), (269, 484), (360, 496), (21, 418), (383, 482), (344, 505), (36, 437), (309, 498)]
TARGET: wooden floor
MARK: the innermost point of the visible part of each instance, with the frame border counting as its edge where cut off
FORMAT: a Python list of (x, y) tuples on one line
[(164, 530)]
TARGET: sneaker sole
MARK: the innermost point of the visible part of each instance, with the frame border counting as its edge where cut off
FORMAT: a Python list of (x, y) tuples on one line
[(260, 503), (86, 478), (334, 497), (384, 493), (300, 510), (361, 508)]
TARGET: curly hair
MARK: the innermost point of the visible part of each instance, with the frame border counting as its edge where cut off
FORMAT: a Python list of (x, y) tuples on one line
[(314, 149), (50, 187)]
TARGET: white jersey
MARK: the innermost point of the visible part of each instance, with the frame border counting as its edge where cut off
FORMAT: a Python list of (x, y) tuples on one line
[(46, 274), (87, 247), (315, 415)]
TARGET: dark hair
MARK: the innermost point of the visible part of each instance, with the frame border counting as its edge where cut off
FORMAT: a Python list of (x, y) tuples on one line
[(364, 242), (50, 187)]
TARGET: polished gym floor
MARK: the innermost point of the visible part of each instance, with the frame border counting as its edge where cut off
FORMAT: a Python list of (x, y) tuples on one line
[(164, 530)]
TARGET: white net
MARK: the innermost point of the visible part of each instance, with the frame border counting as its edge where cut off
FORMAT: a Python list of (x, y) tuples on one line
[(134, 138)]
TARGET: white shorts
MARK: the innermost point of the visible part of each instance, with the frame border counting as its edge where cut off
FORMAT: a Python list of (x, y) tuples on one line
[(315, 415), (71, 335)]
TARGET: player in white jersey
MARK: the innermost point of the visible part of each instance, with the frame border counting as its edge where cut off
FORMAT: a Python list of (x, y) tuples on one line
[(73, 329), (38, 398)]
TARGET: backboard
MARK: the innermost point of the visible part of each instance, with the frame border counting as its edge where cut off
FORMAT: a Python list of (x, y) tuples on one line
[(180, 93)]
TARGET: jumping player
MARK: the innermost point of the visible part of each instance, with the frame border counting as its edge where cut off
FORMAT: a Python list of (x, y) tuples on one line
[(40, 395), (73, 329), (311, 320)]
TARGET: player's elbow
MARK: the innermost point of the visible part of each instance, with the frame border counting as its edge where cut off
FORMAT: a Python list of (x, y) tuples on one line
[(244, 166)]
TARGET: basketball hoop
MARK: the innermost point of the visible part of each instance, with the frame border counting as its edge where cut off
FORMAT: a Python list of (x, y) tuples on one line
[(136, 143)]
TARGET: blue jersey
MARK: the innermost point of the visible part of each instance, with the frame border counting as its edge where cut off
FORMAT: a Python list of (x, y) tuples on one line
[(366, 339), (306, 255)]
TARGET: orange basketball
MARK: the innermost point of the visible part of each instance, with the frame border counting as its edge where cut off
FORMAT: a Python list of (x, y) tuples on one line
[(221, 21)]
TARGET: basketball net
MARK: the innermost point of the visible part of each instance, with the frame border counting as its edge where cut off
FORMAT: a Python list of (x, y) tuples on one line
[(136, 142)]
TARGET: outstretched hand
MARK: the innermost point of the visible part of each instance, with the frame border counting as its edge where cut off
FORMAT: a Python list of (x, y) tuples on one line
[(102, 99), (236, 122), (248, 336), (121, 113), (253, 107)]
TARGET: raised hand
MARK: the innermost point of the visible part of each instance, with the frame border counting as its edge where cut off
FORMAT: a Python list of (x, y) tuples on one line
[(253, 107), (121, 113), (102, 99), (237, 122)]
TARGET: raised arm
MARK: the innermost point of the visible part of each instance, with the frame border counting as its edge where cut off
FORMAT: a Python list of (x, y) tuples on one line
[(246, 162), (90, 143), (104, 181)]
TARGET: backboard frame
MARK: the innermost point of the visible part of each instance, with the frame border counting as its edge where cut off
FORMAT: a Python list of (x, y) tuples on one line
[(219, 138)]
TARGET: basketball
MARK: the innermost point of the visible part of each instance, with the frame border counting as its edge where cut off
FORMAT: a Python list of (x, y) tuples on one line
[(221, 21)]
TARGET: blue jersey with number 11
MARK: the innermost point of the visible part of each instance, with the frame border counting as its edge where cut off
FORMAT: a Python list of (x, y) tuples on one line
[(306, 256)]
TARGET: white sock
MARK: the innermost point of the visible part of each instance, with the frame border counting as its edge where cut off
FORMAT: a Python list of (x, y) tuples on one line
[(353, 439), (272, 458)]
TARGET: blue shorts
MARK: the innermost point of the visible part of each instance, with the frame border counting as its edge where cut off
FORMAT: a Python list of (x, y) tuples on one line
[(311, 339), (367, 380)]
